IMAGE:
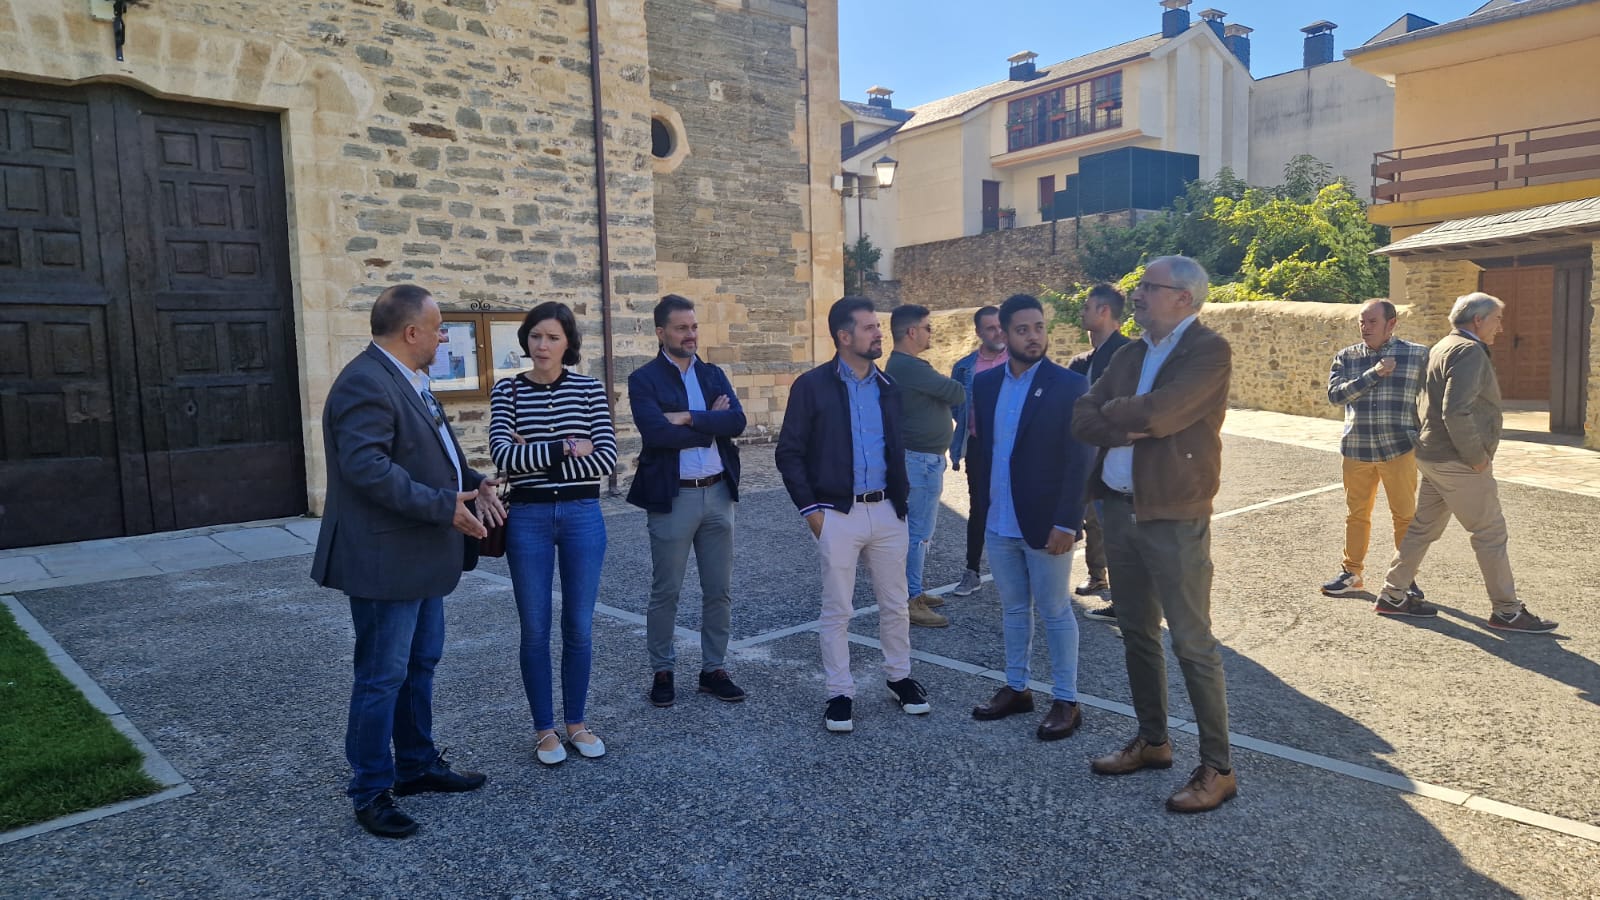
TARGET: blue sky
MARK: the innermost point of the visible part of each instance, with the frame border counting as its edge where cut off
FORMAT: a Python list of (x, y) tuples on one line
[(927, 49)]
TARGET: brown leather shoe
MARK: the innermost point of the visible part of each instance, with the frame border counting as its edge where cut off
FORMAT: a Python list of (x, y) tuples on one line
[(1005, 702), (919, 614), (1207, 789), (931, 601), (1061, 721), (1139, 754)]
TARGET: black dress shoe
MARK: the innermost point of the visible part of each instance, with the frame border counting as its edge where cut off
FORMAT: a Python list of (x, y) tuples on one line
[(661, 693), (441, 779), (720, 686), (383, 819), (1061, 721), (1005, 702)]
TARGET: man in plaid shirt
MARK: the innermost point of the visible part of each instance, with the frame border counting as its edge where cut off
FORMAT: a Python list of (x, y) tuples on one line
[(1377, 381)]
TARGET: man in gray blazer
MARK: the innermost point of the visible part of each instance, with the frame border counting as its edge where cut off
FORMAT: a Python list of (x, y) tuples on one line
[(399, 528)]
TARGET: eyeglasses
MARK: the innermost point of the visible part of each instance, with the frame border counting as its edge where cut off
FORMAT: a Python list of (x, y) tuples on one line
[(1147, 285)]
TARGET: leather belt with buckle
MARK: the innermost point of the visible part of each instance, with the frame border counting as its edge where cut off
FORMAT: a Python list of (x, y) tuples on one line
[(707, 481), (870, 497), (1120, 495)]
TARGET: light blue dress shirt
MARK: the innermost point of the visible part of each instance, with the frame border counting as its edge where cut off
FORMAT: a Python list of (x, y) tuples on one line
[(1014, 390), (1117, 472), (419, 383), (695, 462), (866, 429)]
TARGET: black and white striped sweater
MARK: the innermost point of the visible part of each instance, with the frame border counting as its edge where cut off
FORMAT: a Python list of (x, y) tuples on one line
[(545, 415)]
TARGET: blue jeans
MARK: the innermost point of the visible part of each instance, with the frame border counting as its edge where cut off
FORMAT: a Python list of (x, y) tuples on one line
[(539, 536), (925, 471), (398, 644), (1030, 579)]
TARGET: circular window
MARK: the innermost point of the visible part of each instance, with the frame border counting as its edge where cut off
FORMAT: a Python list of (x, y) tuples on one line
[(669, 147), (661, 141)]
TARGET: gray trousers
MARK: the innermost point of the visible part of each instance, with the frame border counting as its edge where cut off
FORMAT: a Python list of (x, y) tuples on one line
[(1164, 568), (701, 519)]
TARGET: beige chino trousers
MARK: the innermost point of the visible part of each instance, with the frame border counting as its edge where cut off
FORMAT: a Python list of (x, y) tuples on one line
[(1454, 489)]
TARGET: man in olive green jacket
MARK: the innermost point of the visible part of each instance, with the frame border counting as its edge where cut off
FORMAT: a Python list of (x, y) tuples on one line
[(1461, 426)]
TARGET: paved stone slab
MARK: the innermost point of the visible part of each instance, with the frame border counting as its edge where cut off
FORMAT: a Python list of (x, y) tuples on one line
[(263, 543), (21, 570)]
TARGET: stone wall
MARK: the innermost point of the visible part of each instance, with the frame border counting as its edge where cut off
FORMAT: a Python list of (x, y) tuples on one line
[(735, 220), (986, 268), (451, 143)]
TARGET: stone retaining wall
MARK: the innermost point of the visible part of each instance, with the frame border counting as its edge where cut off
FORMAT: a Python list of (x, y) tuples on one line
[(986, 268)]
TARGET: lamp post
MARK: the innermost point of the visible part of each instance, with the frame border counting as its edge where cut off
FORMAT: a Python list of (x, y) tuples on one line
[(851, 183)]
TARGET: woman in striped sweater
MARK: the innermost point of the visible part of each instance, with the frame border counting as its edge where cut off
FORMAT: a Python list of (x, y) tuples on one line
[(550, 432)]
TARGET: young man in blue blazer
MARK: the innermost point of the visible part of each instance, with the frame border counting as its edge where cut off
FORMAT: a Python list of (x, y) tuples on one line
[(1029, 472)]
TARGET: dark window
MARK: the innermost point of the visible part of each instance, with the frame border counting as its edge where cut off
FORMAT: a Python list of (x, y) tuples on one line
[(847, 135), (661, 142), (1083, 107)]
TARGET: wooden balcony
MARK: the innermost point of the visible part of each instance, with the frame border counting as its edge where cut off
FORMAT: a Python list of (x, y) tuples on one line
[(1513, 159)]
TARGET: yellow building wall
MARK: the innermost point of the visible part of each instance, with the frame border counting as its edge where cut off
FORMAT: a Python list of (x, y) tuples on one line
[(1548, 86)]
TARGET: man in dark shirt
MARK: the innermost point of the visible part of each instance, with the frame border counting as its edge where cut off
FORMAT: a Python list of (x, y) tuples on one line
[(1102, 319), (926, 398)]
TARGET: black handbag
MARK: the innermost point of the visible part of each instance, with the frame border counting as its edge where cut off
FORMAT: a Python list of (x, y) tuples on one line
[(494, 543)]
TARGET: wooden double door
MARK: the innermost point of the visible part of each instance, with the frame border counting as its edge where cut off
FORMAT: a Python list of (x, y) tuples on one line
[(147, 362), (1542, 352)]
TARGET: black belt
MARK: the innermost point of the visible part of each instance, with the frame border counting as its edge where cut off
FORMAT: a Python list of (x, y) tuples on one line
[(707, 481), (1120, 495), (871, 497)]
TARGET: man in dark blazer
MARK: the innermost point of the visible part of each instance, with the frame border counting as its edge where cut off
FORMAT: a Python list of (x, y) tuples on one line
[(844, 464), (687, 481), (1102, 320), (1029, 472), (398, 529)]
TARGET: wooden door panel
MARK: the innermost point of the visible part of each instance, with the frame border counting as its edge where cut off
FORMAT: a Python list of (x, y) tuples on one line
[(65, 341), (220, 384), (47, 222), (57, 428), (1522, 353)]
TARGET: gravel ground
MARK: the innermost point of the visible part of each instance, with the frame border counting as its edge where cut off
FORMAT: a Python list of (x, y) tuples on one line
[(240, 674)]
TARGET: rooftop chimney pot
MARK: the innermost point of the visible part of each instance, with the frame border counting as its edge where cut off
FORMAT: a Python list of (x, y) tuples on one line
[(1175, 21), (1319, 43), (1022, 65), (1237, 39)]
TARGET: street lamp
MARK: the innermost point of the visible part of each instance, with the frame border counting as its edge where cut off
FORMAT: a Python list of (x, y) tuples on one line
[(851, 183)]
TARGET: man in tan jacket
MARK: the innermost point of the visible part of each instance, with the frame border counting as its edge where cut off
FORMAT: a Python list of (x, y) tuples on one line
[(1455, 454), (1157, 413)]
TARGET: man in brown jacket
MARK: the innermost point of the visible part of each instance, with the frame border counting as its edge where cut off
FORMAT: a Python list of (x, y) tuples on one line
[(1157, 412), (1455, 453)]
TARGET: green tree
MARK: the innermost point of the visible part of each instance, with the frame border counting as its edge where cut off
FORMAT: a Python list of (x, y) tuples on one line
[(1305, 239), (860, 264)]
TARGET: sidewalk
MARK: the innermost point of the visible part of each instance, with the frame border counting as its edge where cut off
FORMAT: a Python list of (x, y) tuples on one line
[(1555, 466)]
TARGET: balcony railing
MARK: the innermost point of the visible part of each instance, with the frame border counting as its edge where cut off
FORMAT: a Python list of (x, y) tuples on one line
[(1543, 155)]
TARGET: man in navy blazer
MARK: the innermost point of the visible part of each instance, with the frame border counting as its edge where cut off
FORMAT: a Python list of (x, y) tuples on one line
[(398, 529), (1029, 472), (687, 481)]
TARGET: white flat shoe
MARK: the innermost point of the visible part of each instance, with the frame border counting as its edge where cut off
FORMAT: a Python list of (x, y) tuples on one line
[(551, 757), (592, 750)]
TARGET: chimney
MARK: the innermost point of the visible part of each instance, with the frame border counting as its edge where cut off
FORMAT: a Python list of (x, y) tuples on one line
[(879, 97), (1319, 43), (1214, 17), (1237, 37), (1022, 67), (1175, 20)]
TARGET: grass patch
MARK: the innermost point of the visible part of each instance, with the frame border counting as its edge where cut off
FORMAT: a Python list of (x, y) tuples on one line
[(58, 754)]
